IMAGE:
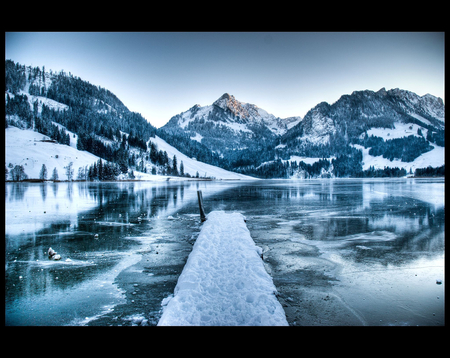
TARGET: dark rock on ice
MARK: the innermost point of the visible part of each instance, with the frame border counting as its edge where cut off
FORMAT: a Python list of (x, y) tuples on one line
[(52, 254)]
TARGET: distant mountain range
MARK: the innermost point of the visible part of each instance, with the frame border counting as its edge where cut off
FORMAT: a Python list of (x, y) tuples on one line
[(251, 141), (394, 128)]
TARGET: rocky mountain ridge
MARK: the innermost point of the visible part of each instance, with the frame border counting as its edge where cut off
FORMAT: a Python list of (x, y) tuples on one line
[(247, 136)]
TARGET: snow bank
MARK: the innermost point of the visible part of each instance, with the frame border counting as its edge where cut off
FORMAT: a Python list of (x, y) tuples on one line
[(224, 282)]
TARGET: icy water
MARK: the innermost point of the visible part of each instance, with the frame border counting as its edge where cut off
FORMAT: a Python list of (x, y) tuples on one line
[(340, 252)]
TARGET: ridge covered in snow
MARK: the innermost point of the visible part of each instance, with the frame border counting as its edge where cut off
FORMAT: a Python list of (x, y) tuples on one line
[(362, 110), (237, 116)]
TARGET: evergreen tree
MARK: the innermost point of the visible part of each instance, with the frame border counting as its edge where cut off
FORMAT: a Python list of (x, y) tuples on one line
[(18, 173), (94, 172), (153, 153), (182, 169), (165, 160), (174, 166), (91, 173), (100, 170), (123, 165), (43, 172), (81, 174), (69, 171), (54, 175)]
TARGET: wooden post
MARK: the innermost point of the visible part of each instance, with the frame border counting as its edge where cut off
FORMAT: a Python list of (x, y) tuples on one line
[(200, 204)]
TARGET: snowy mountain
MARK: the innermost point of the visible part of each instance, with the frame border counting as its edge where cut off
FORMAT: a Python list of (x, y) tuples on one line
[(370, 130), (354, 114), (397, 125), (251, 115), (229, 124)]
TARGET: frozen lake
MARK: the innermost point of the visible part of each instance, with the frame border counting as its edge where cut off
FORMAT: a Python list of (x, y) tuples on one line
[(340, 252)]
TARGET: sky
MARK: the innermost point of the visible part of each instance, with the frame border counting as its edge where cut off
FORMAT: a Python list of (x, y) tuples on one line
[(161, 74)]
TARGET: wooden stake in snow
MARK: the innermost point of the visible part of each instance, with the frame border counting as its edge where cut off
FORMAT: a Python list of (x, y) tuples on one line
[(200, 204)]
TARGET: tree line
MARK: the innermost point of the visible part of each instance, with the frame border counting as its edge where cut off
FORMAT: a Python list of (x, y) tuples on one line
[(430, 171)]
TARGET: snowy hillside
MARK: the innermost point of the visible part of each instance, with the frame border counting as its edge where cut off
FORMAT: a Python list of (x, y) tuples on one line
[(434, 158), (193, 166), (57, 118), (26, 147), (392, 128)]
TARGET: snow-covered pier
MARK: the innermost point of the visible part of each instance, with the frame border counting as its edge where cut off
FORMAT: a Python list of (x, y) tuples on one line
[(224, 282)]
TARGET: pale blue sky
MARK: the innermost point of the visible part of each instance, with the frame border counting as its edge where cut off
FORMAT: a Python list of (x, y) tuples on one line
[(162, 74)]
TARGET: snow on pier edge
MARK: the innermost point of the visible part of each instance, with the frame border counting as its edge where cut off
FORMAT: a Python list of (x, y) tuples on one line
[(224, 282)]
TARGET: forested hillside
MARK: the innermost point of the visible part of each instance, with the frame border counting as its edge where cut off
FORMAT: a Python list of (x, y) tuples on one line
[(56, 104), (396, 130), (39, 100)]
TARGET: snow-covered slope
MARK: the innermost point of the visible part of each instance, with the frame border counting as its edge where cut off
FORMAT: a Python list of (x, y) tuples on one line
[(193, 166), (235, 115), (50, 103), (26, 147), (434, 158)]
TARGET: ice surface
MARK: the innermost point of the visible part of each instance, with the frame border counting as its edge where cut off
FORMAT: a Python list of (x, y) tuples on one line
[(375, 246), (224, 281)]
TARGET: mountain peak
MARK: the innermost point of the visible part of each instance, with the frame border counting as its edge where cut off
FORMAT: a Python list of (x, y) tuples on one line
[(228, 103), (226, 96), (223, 100), (382, 91)]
